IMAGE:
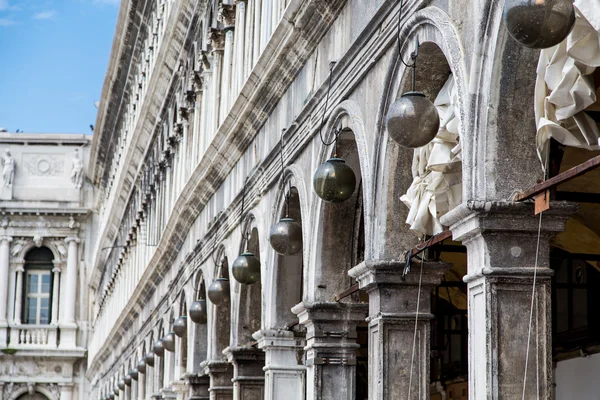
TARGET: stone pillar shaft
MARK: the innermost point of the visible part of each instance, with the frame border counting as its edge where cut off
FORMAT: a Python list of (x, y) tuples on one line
[(285, 373), (4, 264), (19, 295), (501, 241), (55, 294), (392, 319), (331, 348), (71, 281)]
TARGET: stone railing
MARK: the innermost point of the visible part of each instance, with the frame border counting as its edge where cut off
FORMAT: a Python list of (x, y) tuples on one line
[(34, 336)]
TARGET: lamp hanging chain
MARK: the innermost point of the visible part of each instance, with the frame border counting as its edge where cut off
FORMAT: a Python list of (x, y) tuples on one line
[(415, 54), (337, 133), (287, 195)]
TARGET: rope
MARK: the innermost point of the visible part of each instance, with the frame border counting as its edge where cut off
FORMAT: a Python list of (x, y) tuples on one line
[(537, 367), (412, 358)]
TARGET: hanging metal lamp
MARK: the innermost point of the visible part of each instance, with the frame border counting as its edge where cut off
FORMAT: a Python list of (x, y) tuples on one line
[(112, 396), (149, 359), (197, 311), (169, 342), (121, 384), (159, 348), (246, 268), (141, 366), (334, 181), (218, 291), (180, 326), (116, 390), (134, 374), (286, 237), (412, 120), (539, 24), (127, 379)]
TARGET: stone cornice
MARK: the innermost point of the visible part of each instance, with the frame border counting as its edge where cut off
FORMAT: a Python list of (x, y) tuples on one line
[(350, 70)]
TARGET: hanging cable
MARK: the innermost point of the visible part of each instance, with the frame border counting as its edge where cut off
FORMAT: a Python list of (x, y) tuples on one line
[(336, 134), (412, 358), (537, 252)]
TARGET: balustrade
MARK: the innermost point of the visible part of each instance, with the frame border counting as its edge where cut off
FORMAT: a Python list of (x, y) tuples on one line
[(33, 336)]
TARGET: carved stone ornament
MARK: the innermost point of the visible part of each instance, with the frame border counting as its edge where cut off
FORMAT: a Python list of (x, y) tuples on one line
[(216, 39), (226, 15), (77, 170), (37, 164)]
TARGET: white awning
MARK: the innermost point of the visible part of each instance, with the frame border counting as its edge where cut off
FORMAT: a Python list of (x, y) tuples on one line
[(564, 87)]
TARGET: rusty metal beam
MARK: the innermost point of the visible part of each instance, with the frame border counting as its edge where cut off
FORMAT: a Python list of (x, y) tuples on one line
[(342, 295), (566, 176), (440, 237)]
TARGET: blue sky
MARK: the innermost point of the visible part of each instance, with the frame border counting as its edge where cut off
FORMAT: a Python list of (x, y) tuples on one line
[(53, 58)]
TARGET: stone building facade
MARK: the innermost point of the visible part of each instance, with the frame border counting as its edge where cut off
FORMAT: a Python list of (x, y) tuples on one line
[(45, 246), (215, 115)]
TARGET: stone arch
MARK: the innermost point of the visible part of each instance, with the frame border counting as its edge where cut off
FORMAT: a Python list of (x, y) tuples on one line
[(50, 244), (247, 315), (39, 389), (284, 292), (219, 328), (197, 333), (336, 225), (442, 53)]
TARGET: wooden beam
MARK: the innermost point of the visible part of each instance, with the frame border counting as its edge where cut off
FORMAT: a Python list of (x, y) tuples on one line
[(440, 237), (566, 176), (342, 295)]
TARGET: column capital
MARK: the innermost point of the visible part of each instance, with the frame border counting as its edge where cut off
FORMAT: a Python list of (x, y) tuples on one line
[(20, 268), (330, 312), (72, 239), (278, 339), (371, 274), (5, 238), (243, 353)]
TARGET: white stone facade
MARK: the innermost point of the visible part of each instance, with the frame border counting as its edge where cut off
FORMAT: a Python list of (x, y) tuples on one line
[(43, 299), (203, 102)]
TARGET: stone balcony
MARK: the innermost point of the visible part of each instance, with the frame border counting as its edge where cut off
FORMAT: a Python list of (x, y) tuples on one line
[(33, 336)]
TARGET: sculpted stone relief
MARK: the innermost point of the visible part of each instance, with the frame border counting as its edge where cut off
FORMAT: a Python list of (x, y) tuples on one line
[(77, 171), (38, 164)]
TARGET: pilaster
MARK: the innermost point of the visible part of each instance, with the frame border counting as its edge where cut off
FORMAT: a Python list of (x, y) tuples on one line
[(392, 318), (330, 348), (501, 240), (4, 277)]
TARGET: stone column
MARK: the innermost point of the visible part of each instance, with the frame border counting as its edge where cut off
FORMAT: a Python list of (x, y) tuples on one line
[(330, 348), (501, 240), (4, 277), (19, 294), (66, 391), (181, 389), (392, 317), (248, 375), (55, 294), (68, 325), (239, 62), (285, 373), (220, 373), (226, 80), (199, 386)]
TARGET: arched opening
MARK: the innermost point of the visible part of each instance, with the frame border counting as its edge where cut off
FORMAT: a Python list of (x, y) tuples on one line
[(32, 396), (289, 273), (39, 282), (199, 337), (250, 306), (182, 345), (222, 313), (341, 246)]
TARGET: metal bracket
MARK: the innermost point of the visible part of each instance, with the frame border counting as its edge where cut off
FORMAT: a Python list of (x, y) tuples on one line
[(329, 361)]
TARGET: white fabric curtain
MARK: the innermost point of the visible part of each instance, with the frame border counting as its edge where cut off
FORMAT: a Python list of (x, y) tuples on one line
[(437, 170), (564, 86)]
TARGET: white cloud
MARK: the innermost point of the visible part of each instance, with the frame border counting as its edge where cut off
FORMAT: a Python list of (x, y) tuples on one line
[(7, 22), (44, 14)]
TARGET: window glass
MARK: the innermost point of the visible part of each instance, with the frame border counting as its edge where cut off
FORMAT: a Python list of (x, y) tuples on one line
[(37, 307), (33, 283), (46, 283)]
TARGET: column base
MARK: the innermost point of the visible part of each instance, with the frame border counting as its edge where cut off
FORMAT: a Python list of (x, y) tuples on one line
[(68, 336), (3, 333)]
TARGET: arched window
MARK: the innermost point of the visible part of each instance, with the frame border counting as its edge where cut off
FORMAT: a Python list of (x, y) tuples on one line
[(38, 286)]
